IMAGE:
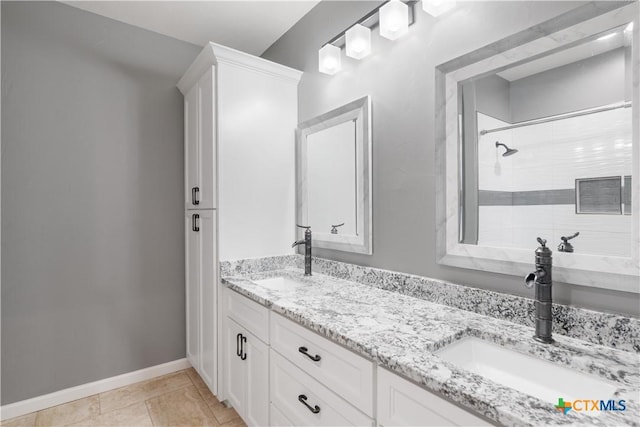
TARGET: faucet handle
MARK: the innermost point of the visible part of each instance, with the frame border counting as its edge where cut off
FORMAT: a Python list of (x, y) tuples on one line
[(334, 228), (307, 227), (565, 239), (542, 241)]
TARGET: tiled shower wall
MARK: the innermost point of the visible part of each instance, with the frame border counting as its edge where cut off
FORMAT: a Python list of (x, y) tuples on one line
[(530, 193)]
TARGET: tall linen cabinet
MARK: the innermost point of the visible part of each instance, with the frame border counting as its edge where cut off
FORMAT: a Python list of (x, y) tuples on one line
[(240, 115)]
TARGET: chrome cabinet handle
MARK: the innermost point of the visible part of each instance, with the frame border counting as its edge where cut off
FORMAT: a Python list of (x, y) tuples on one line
[(304, 351), (238, 344), (195, 193), (302, 398), (194, 222)]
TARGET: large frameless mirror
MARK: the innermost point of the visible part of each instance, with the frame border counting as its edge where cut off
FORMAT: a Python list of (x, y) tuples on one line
[(541, 139), (334, 177)]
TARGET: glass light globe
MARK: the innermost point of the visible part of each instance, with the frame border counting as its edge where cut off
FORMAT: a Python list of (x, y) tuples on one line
[(329, 59), (394, 19), (358, 39)]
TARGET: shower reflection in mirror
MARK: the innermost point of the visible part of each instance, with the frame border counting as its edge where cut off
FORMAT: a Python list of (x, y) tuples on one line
[(547, 148)]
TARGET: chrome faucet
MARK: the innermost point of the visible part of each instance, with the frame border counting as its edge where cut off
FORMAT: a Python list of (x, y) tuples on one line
[(565, 246), (307, 249), (541, 278)]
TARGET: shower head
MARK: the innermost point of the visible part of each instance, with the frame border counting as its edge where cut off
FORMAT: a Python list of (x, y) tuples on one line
[(509, 152)]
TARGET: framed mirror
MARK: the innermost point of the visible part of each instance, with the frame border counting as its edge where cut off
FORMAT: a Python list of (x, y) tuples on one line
[(538, 135), (333, 168)]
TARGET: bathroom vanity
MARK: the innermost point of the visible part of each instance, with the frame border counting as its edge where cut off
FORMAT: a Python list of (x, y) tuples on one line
[(354, 345), (362, 346)]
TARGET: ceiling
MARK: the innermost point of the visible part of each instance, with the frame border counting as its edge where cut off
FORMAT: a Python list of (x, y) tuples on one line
[(614, 39), (249, 26)]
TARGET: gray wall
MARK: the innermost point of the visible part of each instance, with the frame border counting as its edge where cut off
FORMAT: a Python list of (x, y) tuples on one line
[(493, 97), (92, 212), (596, 81), (400, 77)]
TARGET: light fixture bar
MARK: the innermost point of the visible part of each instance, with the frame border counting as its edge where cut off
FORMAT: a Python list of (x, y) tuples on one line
[(371, 21)]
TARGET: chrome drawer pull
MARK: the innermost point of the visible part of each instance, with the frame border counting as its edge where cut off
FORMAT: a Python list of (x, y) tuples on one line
[(304, 351), (302, 398)]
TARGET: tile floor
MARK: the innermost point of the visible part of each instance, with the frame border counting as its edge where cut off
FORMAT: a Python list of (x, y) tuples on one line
[(177, 399)]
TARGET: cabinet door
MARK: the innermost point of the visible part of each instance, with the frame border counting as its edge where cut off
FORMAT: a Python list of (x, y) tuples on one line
[(200, 144), (278, 418), (191, 155), (235, 373), (257, 366), (207, 140), (402, 403), (208, 298), (192, 281)]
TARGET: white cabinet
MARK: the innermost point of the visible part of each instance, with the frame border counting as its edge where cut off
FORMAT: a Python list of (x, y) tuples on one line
[(277, 418), (249, 314), (246, 364), (307, 402), (276, 372), (235, 377), (342, 371), (253, 121), (200, 144), (240, 113), (315, 381), (402, 403), (201, 277), (201, 258)]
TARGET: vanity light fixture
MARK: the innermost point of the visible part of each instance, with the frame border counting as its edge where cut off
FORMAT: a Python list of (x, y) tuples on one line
[(437, 7), (330, 59), (394, 19), (358, 41)]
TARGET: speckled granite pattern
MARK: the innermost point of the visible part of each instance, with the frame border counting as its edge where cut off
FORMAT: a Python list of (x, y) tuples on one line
[(593, 326), (596, 327), (255, 265), (401, 333)]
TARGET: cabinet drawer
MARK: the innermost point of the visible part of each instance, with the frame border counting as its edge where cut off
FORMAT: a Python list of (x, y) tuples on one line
[(342, 371), (278, 419), (249, 314), (402, 403), (288, 383)]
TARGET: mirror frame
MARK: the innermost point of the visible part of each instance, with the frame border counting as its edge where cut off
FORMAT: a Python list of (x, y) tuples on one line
[(360, 112), (608, 272)]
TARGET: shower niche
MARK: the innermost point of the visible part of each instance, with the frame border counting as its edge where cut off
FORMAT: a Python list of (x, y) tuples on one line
[(539, 137)]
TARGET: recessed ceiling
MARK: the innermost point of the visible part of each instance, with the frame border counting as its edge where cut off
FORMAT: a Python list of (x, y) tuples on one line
[(249, 26)]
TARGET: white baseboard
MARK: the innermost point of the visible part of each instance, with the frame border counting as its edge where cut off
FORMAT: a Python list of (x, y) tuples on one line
[(78, 392)]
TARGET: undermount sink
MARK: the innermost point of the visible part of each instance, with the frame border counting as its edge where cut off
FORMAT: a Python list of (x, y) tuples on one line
[(528, 374), (279, 283)]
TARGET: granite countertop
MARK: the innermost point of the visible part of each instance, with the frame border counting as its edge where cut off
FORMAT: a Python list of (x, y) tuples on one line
[(401, 333)]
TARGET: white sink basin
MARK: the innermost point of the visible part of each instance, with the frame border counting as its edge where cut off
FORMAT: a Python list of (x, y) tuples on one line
[(533, 376), (279, 283)]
